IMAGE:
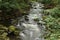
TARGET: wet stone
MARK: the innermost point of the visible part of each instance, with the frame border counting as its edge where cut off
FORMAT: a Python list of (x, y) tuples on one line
[(33, 29)]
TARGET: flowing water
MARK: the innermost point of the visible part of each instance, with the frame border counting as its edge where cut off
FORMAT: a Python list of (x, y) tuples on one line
[(32, 25)]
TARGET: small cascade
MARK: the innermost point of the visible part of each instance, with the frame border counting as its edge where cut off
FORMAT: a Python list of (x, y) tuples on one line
[(32, 25)]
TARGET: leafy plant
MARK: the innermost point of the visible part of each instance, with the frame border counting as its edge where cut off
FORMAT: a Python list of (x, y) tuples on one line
[(52, 19)]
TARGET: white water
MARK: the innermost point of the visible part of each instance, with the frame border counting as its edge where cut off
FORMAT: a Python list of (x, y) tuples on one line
[(31, 29)]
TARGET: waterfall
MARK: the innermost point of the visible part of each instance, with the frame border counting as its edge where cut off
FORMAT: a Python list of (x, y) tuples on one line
[(31, 24)]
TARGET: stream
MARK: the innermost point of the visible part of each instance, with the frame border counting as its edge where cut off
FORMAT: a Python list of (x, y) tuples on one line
[(32, 25)]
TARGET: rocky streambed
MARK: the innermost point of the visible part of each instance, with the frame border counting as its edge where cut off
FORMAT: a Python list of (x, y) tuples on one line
[(32, 25)]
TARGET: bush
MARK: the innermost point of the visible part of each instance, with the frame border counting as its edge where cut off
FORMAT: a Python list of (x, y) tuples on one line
[(12, 9), (52, 19)]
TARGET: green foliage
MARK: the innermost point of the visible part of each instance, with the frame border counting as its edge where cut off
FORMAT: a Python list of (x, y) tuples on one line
[(12, 9), (4, 32), (13, 3), (50, 3), (52, 19), (46, 1), (55, 12), (12, 28)]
